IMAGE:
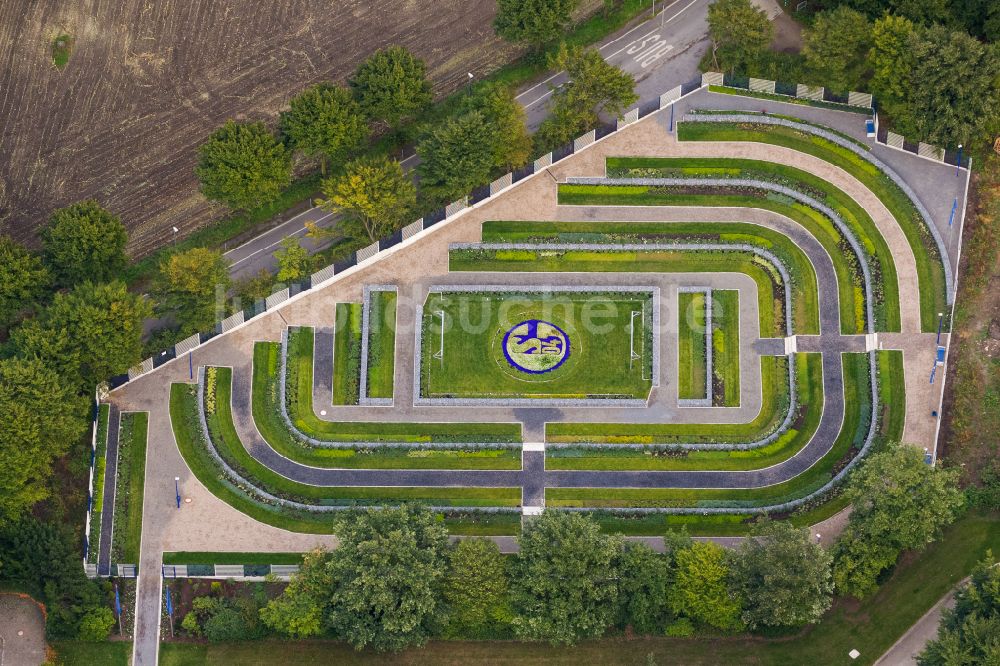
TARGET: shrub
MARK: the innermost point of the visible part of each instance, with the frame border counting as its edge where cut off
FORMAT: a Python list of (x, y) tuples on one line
[(96, 624)]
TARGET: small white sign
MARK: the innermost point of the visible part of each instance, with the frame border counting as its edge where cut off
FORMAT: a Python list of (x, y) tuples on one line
[(853, 654)]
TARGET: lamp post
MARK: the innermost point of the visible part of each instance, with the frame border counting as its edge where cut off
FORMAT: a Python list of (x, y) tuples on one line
[(177, 490)]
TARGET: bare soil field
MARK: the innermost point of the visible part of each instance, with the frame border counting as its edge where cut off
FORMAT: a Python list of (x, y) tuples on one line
[(147, 82)]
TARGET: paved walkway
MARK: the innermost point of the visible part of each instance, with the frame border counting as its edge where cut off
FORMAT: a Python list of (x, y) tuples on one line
[(108, 498), (905, 650)]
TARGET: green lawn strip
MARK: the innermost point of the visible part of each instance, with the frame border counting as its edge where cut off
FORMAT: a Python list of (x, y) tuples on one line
[(85, 653), (129, 488), (892, 394), (805, 308), (598, 326), (230, 448), (863, 228), (822, 104), (347, 354), (100, 465), (771, 307), (726, 346), (691, 352), (930, 271), (774, 380), (809, 379), (174, 558), (857, 405), (381, 344)]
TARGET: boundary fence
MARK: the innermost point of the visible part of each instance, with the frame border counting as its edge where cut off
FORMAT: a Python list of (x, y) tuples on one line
[(91, 569), (225, 571)]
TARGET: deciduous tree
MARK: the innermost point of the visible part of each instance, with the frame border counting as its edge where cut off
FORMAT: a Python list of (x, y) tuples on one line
[(391, 85), (84, 242), (293, 260), (476, 591), (192, 287), (740, 33), (533, 22), (23, 280), (644, 589), (564, 585), (456, 156), (325, 122), (836, 47), (243, 165), (373, 194), (891, 61), (301, 609), (511, 140), (701, 591)]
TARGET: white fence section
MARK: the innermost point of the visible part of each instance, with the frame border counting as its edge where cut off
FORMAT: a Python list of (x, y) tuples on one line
[(90, 570), (859, 99), (186, 345), (629, 117), (232, 321), (761, 85), (503, 181), (456, 206), (322, 275), (413, 228), (277, 297), (229, 570), (809, 92), (584, 141), (284, 569), (366, 253), (543, 161), (142, 368), (894, 140), (666, 98), (127, 570), (712, 79), (931, 151)]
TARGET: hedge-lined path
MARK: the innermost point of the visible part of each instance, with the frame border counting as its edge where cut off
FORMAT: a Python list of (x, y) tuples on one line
[(108, 497)]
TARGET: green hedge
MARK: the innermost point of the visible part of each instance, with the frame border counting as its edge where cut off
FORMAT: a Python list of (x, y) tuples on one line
[(381, 344)]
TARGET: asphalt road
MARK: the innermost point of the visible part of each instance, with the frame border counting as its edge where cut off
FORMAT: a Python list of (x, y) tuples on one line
[(661, 53)]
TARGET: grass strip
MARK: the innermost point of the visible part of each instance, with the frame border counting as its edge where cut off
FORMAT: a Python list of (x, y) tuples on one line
[(129, 487), (726, 347), (181, 557), (691, 346), (805, 308), (930, 270), (381, 343), (347, 354), (820, 104), (100, 466), (809, 379)]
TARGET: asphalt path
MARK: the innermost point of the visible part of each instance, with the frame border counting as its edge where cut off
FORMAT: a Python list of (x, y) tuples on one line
[(661, 53)]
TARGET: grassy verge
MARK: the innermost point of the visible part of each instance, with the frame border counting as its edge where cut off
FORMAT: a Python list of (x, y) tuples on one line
[(805, 309), (726, 347), (129, 488), (381, 344), (857, 219), (726, 90), (692, 376), (347, 354), (80, 653), (930, 270), (100, 465), (231, 558)]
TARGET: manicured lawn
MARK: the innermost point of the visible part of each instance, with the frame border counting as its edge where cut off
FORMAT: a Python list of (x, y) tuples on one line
[(381, 343), (80, 653), (930, 271), (726, 347), (231, 558), (347, 354), (774, 378), (805, 309), (129, 488), (692, 362), (100, 465), (584, 345)]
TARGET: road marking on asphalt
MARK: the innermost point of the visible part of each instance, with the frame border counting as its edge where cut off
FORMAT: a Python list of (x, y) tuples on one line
[(278, 242)]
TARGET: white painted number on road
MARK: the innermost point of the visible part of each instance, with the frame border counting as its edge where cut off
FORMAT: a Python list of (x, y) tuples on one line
[(648, 50)]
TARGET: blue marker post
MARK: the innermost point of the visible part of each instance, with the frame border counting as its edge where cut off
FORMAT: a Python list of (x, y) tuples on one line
[(170, 610), (118, 611), (958, 162), (954, 205), (190, 366), (177, 490)]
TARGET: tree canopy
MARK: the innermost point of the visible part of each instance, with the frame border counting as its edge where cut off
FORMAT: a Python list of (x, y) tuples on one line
[(739, 32), (456, 156), (533, 22), (293, 260), (511, 140), (836, 46), (644, 589), (84, 242), (563, 583), (23, 280), (701, 586), (391, 85), (475, 590), (324, 121), (373, 194), (243, 165), (192, 287), (969, 633)]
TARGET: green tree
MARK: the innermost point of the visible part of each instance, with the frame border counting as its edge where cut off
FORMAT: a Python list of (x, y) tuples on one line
[(594, 87), (96, 624), (293, 260), (23, 280), (299, 611), (475, 590), (836, 46), (969, 633), (52, 345), (782, 576), (981, 18), (84, 242), (563, 583), (740, 33), (243, 165), (387, 575), (511, 140), (324, 121), (533, 22), (700, 589), (192, 287), (391, 85), (898, 503), (42, 417), (455, 157), (891, 61), (373, 194), (644, 589)]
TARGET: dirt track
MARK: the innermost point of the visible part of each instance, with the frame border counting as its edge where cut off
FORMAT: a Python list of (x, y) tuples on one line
[(147, 81)]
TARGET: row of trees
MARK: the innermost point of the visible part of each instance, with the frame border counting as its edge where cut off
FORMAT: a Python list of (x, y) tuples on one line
[(934, 82), (394, 581)]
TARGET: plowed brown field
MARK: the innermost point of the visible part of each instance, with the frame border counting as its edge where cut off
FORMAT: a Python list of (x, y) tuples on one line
[(147, 81)]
